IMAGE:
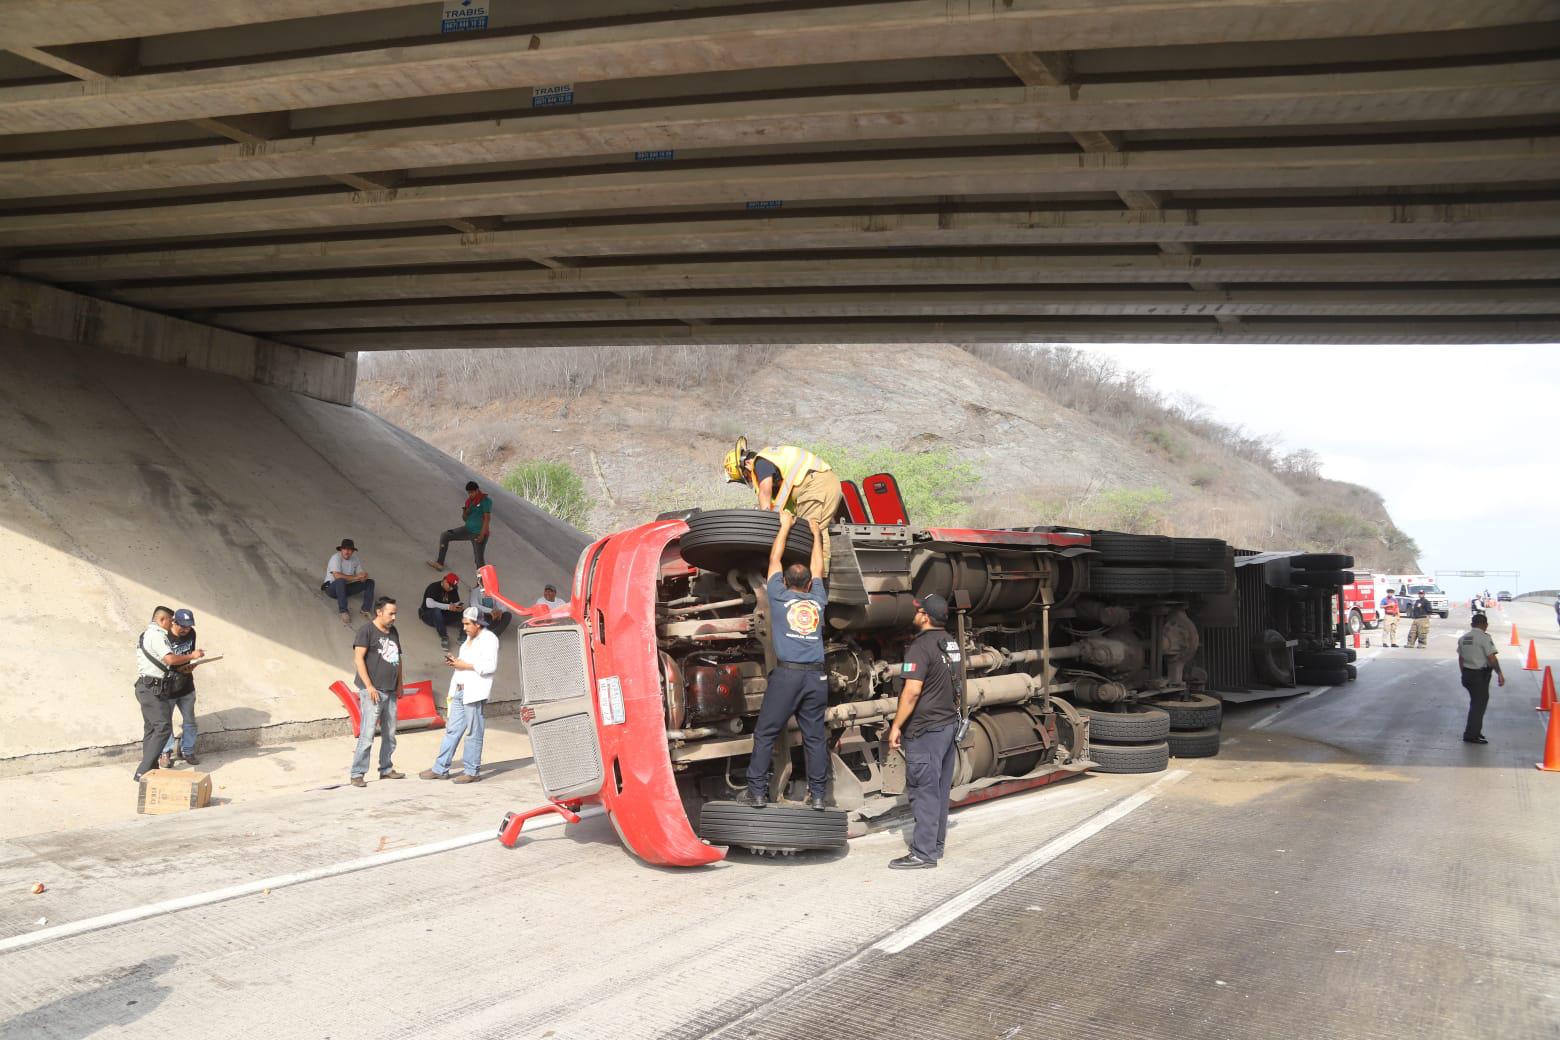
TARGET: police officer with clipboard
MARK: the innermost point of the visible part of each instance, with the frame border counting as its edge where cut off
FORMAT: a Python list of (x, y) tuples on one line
[(927, 729)]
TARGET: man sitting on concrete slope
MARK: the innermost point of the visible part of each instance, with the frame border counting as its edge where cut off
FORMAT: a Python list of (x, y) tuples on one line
[(441, 605), (476, 516), (344, 575)]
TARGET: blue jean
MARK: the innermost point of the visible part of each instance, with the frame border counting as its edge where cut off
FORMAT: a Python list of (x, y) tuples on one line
[(341, 588), (186, 706), (383, 714), (929, 762), (466, 720), (439, 620)]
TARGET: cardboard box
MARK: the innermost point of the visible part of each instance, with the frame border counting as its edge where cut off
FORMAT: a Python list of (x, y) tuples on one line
[(173, 790)]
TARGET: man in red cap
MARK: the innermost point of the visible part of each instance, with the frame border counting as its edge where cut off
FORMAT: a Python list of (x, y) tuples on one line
[(441, 606)]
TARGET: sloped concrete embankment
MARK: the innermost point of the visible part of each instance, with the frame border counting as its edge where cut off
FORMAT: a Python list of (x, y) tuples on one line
[(127, 484)]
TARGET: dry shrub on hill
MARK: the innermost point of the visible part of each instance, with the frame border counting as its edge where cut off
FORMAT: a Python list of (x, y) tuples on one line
[(480, 376)]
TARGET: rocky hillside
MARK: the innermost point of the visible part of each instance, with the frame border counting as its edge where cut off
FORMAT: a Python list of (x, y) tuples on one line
[(645, 429)]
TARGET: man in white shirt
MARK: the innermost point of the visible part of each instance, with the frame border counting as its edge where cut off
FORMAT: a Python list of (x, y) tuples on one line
[(469, 688), (1477, 657), (550, 598), (154, 658), (344, 575)]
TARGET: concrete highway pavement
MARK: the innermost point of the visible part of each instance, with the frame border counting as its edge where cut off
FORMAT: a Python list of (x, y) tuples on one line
[(1346, 868)]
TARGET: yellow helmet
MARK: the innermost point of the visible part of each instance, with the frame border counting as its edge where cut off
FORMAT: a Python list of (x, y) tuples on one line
[(733, 462)]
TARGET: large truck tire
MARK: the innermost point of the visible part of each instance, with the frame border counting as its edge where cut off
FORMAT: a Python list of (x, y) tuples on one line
[(1322, 659), (722, 539), (1197, 743), (1134, 726), (1322, 562), (1194, 711), (1198, 552), (1322, 676), (774, 828), (1351, 671), (1114, 547), (1130, 758), (1199, 579), (1270, 660), (1130, 581), (1316, 579)]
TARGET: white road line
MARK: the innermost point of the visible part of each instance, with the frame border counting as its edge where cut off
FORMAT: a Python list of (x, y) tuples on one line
[(972, 897), (1265, 723), (250, 888)]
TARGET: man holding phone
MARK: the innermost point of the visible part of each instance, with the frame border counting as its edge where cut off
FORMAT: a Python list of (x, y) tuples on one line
[(469, 689)]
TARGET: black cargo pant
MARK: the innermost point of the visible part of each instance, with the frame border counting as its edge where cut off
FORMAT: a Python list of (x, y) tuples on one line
[(157, 720), (805, 695), (460, 534), (929, 761), (1477, 682)]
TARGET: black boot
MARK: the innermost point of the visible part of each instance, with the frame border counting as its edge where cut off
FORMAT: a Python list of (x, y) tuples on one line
[(753, 799)]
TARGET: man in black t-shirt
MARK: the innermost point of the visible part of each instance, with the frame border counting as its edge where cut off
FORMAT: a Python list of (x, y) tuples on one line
[(1419, 628), (924, 729), (377, 649)]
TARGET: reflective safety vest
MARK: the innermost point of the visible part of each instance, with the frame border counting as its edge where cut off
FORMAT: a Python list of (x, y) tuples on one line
[(794, 464)]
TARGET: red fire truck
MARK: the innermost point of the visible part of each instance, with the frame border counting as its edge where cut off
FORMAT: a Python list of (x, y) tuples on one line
[(1361, 605)]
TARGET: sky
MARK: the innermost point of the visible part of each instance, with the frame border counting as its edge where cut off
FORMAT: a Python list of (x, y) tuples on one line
[(1459, 440)]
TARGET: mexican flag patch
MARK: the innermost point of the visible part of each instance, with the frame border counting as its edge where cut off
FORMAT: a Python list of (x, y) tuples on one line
[(908, 668)]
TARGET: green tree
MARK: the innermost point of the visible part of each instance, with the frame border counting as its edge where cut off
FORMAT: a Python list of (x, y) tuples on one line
[(1134, 509), (552, 487)]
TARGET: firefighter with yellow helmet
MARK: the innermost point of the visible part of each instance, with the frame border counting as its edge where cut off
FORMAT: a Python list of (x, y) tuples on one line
[(788, 477)]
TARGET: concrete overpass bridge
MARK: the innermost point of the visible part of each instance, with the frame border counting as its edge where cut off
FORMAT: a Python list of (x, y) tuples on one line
[(297, 186)]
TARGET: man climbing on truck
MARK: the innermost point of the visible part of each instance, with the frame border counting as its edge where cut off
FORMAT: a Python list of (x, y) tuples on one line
[(798, 685), (789, 478)]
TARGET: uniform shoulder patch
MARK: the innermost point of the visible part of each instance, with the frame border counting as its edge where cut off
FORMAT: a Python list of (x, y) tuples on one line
[(909, 668)]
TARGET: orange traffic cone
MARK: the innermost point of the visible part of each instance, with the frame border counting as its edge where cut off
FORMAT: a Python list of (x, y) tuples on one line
[(1515, 640), (1546, 695), (1532, 661), (1551, 762)]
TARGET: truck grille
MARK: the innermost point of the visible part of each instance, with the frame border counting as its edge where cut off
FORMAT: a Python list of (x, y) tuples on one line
[(567, 755), (552, 665)]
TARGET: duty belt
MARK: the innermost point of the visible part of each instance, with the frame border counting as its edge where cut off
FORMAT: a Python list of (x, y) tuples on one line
[(793, 666)]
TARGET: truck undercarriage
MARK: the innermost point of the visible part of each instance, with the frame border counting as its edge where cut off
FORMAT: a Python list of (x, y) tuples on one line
[(1081, 650)]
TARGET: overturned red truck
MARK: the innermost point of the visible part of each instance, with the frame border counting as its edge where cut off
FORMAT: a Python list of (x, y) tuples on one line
[(1082, 650)]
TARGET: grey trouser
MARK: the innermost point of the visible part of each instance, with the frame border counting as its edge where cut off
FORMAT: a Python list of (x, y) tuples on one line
[(157, 722), (460, 534), (382, 714), (929, 762)]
